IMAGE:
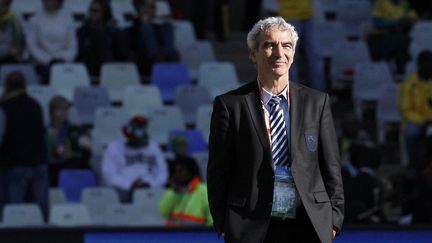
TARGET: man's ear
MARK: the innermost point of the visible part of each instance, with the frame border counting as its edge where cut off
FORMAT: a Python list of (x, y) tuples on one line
[(252, 55)]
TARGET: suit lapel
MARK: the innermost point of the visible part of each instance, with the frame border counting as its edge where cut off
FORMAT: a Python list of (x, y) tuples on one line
[(296, 104), (254, 105)]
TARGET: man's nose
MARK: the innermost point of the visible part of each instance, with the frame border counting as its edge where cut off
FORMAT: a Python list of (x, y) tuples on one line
[(278, 51)]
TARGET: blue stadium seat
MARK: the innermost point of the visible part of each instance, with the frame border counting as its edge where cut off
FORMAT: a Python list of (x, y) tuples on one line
[(72, 181), (195, 139), (168, 76)]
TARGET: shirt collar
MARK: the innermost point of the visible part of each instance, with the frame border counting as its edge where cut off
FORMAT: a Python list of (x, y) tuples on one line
[(267, 95)]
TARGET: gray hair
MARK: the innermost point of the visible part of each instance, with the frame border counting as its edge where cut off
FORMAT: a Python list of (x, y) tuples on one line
[(268, 24)]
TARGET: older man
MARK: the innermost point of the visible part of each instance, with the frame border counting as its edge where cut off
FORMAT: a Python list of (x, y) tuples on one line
[(274, 166)]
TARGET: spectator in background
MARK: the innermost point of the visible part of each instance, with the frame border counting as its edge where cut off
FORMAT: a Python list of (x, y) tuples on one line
[(51, 37), (415, 104), (68, 144), (23, 149), (363, 205), (152, 38), (300, 14), (134, 162), (179, 146), (11, 35), (185, 202), (389, 39), (99, 39)]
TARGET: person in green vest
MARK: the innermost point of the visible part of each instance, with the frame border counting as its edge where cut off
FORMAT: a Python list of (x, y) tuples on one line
[(185, 202)]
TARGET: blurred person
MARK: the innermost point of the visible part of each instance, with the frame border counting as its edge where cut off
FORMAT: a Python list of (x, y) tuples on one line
[(135, 161), (99, 38), (23, 155), (274, 171), (415, 104), (389, 38), (11, 35), (179, 146), (151, 37), (363, 204), (185, 202), (51, 37), (300, 14), (68, 144)]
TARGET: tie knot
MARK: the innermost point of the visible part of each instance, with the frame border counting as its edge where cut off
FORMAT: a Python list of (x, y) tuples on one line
[(275, 100)]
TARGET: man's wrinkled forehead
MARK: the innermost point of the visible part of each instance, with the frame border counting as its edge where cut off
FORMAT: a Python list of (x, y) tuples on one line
[(265, 35)]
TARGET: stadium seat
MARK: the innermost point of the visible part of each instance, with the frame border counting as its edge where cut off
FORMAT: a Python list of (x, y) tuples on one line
[(195, 140), (87, 99), (168, 76), (387, 110), (218, 77), (139, 99), (97, 199), (20, 215), (162, 121), (116, 76), (194, 54), (202, 160), (369, 79), (188, 98), (184, 33), (73, 181), (65, 77), (147, 200), (56, 195), (69, 215), (204, 113), (107, 126)]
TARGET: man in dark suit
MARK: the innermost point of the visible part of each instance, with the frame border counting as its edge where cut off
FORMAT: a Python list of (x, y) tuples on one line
[(274, 168)]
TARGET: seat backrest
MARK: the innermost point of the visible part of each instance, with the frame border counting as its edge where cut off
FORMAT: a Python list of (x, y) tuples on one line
[(56, 196), (202, 160), (27, 70), (387, 110), (139, 99), (184, 33), (97, 199), (345, 56), (73, 181), (87, 99), (329, 32), (124, 215), (147, 200), (195, 140), (369, 77), (65, 77), (194, 54), (67, 215), (204, 113), (27, 214), (168, 76), (115, 76), (217, 77), (107, 126), (189, 97), (163, 120)]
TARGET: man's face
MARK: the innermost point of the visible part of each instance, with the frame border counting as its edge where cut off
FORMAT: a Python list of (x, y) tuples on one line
[(274, 55)]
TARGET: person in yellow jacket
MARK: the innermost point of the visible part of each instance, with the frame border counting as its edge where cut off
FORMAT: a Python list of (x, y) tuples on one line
[(415, 102), (389, 39), (299, 13), (185, 202)]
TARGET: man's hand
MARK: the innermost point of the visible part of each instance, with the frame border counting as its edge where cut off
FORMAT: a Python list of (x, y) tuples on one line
[(334, 233)]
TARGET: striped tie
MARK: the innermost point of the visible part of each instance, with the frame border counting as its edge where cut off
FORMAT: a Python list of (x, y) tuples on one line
[(278, 132)]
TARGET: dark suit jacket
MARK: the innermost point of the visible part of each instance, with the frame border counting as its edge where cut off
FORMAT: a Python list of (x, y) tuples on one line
[(240, 174)]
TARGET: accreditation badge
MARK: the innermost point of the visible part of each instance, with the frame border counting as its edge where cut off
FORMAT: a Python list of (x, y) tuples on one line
[(284, 195)]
